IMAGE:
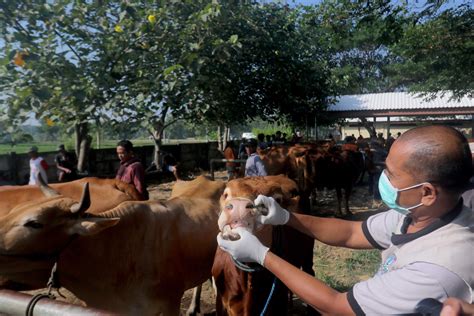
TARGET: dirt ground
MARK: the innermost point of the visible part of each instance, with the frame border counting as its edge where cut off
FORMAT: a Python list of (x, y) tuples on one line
[(325, 257)]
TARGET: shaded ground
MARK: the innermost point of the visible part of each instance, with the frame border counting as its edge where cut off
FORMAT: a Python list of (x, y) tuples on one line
[(340, 268)]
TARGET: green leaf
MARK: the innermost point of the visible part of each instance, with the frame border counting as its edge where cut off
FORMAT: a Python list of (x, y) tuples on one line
[(233, 39)]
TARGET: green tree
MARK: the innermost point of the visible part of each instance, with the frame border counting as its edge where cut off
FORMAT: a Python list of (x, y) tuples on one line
[(263, 69), (59, 61), (355, 37), (435, 53)]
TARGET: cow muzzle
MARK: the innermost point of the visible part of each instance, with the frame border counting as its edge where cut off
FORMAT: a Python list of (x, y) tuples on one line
[(239, 212)]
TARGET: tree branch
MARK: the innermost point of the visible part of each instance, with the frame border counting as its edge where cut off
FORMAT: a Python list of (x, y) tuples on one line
[(70, 47)]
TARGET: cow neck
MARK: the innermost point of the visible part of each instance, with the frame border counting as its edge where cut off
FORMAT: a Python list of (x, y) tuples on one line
[(119, 211), (51, 256)]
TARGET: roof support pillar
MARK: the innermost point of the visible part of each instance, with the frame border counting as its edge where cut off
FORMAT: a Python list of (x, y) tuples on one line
[(388, 125)]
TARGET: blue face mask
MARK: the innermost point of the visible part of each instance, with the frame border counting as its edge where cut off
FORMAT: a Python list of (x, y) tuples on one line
[(389, 194)]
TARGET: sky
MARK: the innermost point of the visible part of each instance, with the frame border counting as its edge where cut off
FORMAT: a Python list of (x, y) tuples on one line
[(416, 5)]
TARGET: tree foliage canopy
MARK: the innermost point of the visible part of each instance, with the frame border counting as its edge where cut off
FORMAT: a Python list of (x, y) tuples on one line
[(220, 62)]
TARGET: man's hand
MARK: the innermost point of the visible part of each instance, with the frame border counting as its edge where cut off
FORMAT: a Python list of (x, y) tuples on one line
[(246, 249), (276, 214)]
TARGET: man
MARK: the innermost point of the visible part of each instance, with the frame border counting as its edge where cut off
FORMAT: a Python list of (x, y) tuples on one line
[(229, 154), (376, 156), (262, 145), (278, 140), (390, 141), (37, 164), (427, 236), (131, 169), (254, 166), (65, 163)]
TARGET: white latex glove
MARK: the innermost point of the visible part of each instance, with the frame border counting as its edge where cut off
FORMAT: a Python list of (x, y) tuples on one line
[(246, 249), (277, 215)]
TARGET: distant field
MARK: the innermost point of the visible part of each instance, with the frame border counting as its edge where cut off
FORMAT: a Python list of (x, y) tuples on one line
[(51, 146)]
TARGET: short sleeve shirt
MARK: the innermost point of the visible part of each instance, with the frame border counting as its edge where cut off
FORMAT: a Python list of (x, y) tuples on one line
[(254, 166), (399, 291)]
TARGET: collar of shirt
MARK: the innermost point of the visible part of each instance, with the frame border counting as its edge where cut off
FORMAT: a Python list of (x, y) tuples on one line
[(403, 238)]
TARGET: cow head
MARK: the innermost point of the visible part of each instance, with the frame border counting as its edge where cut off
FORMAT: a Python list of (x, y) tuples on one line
[(237, 206), (45, 227)]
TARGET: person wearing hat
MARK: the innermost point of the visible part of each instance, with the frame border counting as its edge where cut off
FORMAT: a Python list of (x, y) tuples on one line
[(65, 163), (254, 166), (37, 164)]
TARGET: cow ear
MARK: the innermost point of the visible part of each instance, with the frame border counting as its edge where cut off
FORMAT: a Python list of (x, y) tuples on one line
[(93, 225)]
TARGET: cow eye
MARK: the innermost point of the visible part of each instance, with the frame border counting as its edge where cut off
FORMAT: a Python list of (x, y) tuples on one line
[(33, 224), (229, 207), (249, 205)]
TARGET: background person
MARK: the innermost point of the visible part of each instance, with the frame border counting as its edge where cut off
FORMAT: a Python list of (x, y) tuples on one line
[(131, 169), (37, 164), (426, 237), (170, 165), (66, 164), (230, 155), (254, 166), (375, 163)]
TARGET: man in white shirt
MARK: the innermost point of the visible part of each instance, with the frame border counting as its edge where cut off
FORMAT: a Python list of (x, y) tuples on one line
[(254, 166), (37, 164), (427, 236)]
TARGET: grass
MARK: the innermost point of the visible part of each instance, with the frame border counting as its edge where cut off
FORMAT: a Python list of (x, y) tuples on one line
[(341, 268)]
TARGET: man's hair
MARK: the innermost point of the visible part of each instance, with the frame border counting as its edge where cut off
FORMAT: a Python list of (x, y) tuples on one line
[(440, 155), (126, 144)]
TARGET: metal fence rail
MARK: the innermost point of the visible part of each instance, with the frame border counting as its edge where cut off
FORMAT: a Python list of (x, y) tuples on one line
[(15, 303)]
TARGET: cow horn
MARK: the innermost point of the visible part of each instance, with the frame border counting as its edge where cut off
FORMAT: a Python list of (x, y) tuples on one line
[(85, 202), (44, 187)]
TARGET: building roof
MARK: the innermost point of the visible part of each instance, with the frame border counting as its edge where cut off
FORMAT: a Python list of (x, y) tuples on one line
[(399, 104)]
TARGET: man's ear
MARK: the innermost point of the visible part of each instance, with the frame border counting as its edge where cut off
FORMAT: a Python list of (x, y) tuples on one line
[(430, 194), (93, 225)]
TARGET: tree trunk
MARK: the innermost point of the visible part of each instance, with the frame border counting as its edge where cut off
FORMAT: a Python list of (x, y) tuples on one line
[(219, 138), (369, 126), (157, 134), (83, 143), (226, 137)]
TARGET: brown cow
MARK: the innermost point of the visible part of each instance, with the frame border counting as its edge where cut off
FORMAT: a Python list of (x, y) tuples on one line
[(293, 162), (333, 168), (115, 192), (136, 259), (245, 293)]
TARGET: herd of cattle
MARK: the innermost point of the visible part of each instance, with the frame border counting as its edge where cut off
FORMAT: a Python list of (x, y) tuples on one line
[(138, 257)]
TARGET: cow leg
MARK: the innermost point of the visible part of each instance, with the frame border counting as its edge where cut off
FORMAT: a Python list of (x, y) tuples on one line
[(339, 202), (170, 305), (195, 306), (213, 284), (347, 195)]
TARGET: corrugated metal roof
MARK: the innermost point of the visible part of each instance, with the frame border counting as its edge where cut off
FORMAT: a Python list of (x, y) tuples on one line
[(397, 101)]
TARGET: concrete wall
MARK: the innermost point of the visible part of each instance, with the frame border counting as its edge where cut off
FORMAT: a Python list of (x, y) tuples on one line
[(15, 169)]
